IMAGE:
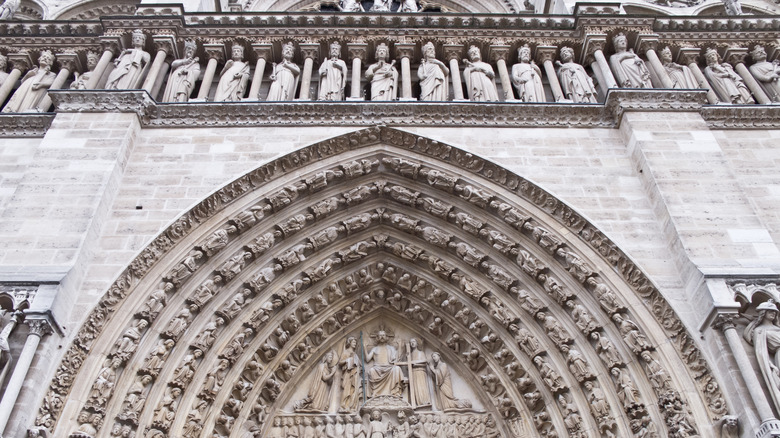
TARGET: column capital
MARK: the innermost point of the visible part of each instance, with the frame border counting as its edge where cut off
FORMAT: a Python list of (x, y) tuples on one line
[(404, 50), (646, 42), (453, 51), (499, 52), (725, 320), (593, 43), (357, 50), (214, 51), (21, 60), (545, 53), (39, 326), (310, 50), (166, 43), (111, 43), (264, 50), (689, 55), (735, 55), (69, 61)]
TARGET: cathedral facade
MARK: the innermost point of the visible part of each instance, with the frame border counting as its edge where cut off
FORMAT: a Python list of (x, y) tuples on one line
[(389, 219)]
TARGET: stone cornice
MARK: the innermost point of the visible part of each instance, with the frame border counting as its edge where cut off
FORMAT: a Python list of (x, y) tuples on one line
[(24, 125), (742, 116)]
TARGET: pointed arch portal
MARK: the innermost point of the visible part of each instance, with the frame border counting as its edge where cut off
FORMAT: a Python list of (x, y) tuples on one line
[(235, 321)]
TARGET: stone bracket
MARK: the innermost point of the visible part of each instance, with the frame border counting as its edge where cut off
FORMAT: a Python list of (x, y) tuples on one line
[(92, 101), (264, 50), (620, 101), (646, 42), (29, 125)]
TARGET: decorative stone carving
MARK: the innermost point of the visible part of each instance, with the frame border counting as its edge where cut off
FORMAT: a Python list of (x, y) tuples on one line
[(157, 357), (577, 86), (130, 66), (526, 340), (135, 399), (626, 390), (726, 83), (550, 377), (206, 337), (766, 73), (333, 75), (183, 76), (681, 75), (185, 268), (178, 324), (577, 364), (167, 409), (607, 351), (630, 71), (103, 386), (607, 297), (730, 427), (434, 76), (284, 76), (442, 383), (218, 239), (600, 409), (527, 77), (582, 318), (631, 334), (8, 9), (479, 77), (3, 67), (318, 398), (127, 344), (205, 292), (34, 85), (235, 74), (384, 375)]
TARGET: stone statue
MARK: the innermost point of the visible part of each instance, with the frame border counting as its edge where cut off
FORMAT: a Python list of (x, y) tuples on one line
[(600, 408), (80, 81), (384, 376), (182, 79), (126, 346), (383, 76), (726, 83), (408, 6), (729, 427), (681, 76), (377, 428), (349, 363), (766, 73), (8, 9), (419, 380), (381, 6), (635, 339), (234, 77), (442, 383), (34, 86), (433, 76), (104, 384), (763, 333), (479, 78), (3, 66), (527, 78), (630, 71), (318, 398), (284, 76), (333, 75), (626, 390), (130, 65), (350, 6), (733, 7)]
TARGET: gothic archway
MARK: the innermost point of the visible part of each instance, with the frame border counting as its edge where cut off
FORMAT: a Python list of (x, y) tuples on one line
[(227, 322)]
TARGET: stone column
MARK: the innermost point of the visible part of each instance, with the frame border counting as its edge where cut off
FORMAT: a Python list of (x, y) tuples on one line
[(111, 47), (358, 52), (500, 53), (160, 79), (38, 329), (405, 51), (310, 53), (165, 46), (264, 52), (647, 44), (725, 323), (215, 53), (453, 53), (21, 63), (69, 62), (736, 57), (545, 56), (688, 56), (594, 49)]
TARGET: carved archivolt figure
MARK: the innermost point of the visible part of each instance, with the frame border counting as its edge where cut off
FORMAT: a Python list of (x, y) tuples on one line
[(726, 83), (130, 65), (182, 79), (442, 382), (527, 78), (433, 76), (479, 78), (80, 81), (681, 76), (630, 71), (767, 73), (764, 334), (383, 76), (234, 77), (333, 75), (627, 392), (34, 86), (349, 363), (576, 84)]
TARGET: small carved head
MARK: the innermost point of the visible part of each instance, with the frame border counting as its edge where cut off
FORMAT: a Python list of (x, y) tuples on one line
[(429, 51), (758, 54), (189, 49), (288, 50), (524, 53), (382, 52), (711, 55), (436, 357), (92, 60), (238, 52), (46, 58), (620, 42), (335, 49), (138, 38), (376, 415), (666, 54), (475, 54)]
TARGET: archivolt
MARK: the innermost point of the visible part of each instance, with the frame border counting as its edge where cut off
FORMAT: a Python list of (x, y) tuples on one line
[(410, 230)]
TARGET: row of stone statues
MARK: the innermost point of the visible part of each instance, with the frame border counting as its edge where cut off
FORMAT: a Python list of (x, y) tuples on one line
[(630, 71)]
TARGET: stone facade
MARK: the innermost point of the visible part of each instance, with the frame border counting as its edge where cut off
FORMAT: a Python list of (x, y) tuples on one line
[(287, 266)]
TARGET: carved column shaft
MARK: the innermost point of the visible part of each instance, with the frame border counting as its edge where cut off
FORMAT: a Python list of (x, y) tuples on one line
[(160, 79), (154, 71), (658, 68), (308, 65), (355, 92), (208, 77), (457, 88), (545, 55), (603, 66), (405, 51), (100, 69), (500, 53), (38, 328), (264, 53), (752, 84), (690, 59), (9, 83)]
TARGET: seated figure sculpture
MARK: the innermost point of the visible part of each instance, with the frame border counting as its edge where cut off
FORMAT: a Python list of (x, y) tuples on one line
[(384, 376)]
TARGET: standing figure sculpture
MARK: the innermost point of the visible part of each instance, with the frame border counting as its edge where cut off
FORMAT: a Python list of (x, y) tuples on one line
[(681, 76), (383, 76), (185, 73), (527, 78), (433, 76), (764, 334), (766, 73), (384, 377), (130, 65), (409, 6), (284, 76), (349, 363), (419, 379), (576, 84), (350, 6), (81, 80), (726, 83), (8, 9), (479, 78), (333, 75), (381, 6), (630, 71), (442, 383), (318, 397), (234, 77), (34, 86)]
